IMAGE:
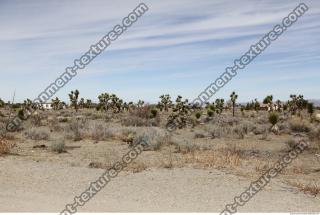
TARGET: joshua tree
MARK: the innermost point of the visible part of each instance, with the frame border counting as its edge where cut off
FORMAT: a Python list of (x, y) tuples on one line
[(140, 103), (81, 103), (56, 103), (219, 105), (268, 99), (27, 104), (297, 103), (233, 98), (104, 99), (180, 113), (165, 102), (1, 103), (256, 105), (88, 103), (73, 96), (310, 108)]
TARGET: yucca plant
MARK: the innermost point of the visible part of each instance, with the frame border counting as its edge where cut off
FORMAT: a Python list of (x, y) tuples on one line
[(219, 104), (165, 102), (104, 99), (56, 103), (273, 118), (73, 96), (233, 98)]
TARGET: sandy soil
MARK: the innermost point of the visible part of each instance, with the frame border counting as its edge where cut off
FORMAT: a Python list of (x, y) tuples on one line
[(30, 186)]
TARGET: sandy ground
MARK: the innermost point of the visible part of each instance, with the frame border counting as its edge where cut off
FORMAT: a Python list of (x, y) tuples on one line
[(30, 186)]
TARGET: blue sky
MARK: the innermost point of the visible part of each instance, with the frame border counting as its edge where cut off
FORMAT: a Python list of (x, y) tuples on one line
[(177, 47)]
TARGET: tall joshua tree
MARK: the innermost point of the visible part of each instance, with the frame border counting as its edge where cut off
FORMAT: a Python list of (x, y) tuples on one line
[(268, 99), (56, 103), (73, 96), (88, 103), (233, 98), (219, 105), (165, 102), (104, 99)]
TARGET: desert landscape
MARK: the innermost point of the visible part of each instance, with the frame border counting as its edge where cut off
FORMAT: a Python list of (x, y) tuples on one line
[(172, 106), (213, 156)]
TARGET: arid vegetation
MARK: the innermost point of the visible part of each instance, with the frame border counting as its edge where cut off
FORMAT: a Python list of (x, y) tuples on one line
[(245, 139)]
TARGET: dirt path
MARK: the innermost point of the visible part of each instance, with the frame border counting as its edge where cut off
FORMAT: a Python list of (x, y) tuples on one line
[(28, 186)]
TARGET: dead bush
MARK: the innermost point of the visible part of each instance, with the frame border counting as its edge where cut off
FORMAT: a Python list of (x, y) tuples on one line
[(5, 146), (185, 146), (214, 159), (297, 125), (37, 133), (98, 131), (199, 135), (58, 146), (310, 188), (75, 128), (153, 138)]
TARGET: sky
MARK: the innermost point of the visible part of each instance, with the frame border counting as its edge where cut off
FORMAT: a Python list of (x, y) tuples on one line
[(177, 47)]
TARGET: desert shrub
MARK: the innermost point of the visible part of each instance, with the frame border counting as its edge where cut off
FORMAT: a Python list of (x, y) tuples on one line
[(58, 146), (210, 113), (37, 134), (140, 122), (154, 113), (260, 129), (291, 143), (98, 131), (239, 131), (63, 119), (298, 126), (36, 119), (199, 135), (198, 115), (134, 121), (75, 128), (273, 118), (284, 127), (5, 146), (154, 139), (21, 113), (218, 131), (185, 146), (314, 135)]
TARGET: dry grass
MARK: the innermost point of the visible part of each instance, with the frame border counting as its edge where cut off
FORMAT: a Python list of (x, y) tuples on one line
[(298, 125), (5, 146), (136, 167), (214, 159), (40, 133), (97, 131), (310, 188), (154, 138)]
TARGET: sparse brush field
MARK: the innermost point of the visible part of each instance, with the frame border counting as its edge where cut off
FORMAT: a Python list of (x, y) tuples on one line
[(244, 145)]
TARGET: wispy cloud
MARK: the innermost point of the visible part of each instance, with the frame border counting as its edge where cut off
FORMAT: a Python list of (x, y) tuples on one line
[(176, 43)]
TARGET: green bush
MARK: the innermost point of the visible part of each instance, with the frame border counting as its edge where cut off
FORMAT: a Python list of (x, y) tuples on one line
[(154, 113), (210, 113), (198, 115), (273, 118), (58, 146)]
